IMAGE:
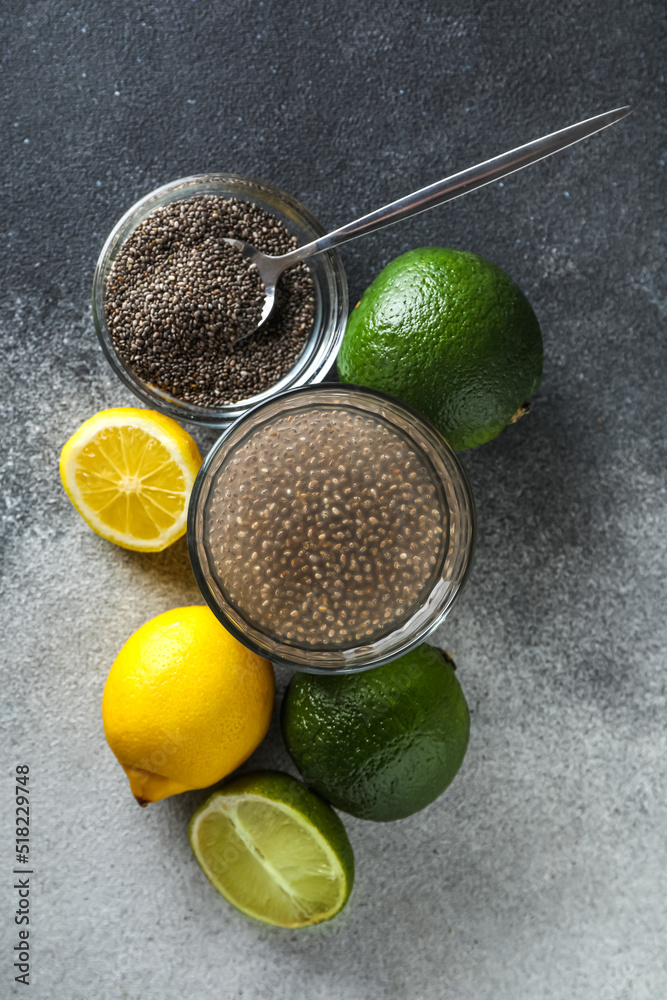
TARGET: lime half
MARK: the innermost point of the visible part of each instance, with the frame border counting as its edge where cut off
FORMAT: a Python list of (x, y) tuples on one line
[(274, 850)]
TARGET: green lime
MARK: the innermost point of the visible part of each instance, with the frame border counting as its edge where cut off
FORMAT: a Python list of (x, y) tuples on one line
[(381, 744), (274, 850), (451, 334)]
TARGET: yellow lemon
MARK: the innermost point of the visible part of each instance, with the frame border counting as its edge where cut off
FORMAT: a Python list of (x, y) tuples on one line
[(184, 704), (129, 473)]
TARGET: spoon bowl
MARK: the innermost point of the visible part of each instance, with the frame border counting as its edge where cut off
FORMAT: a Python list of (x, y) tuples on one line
[(270, 269)]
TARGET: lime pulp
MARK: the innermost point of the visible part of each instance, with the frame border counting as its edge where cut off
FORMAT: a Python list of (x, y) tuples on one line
[(274, 850)]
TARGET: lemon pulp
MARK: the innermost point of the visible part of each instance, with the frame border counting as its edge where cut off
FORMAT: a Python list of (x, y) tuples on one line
[(120, 476)]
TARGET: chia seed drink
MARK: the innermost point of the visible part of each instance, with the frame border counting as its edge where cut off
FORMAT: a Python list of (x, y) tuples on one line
[(326, 527)]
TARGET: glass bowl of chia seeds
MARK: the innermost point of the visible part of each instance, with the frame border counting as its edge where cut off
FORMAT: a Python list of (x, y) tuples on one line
[(331, 528), (166, 299)]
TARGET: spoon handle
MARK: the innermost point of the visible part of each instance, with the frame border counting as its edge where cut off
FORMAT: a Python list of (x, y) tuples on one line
[(459, 184)]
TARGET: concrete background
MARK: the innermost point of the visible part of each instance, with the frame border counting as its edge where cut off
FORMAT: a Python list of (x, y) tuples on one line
[(541, 872)]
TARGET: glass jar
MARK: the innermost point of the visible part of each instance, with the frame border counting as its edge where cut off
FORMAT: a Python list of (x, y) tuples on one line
[(326, 269), (456, 531)]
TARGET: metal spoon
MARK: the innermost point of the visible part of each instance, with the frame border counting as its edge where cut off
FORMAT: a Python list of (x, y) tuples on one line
[(270, 268)]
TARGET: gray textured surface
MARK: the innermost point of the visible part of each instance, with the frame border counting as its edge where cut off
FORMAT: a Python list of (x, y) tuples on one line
[(541, 872)]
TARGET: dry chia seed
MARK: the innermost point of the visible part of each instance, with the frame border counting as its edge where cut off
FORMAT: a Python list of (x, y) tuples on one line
[(178, 297), (326, 527)]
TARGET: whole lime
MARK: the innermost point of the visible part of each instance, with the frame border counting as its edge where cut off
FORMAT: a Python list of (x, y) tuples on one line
[(381, 744), (451, 334)]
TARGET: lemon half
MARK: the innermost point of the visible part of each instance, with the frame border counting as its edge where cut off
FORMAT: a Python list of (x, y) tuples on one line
[(129, 473)]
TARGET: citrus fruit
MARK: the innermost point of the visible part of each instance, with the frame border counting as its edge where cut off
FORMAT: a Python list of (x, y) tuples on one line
[(274, 850), (451, 334), (184, 704), (381, 744), (129, 473)]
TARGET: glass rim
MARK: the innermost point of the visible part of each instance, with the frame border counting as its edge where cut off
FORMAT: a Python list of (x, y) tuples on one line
[(425, 628)]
